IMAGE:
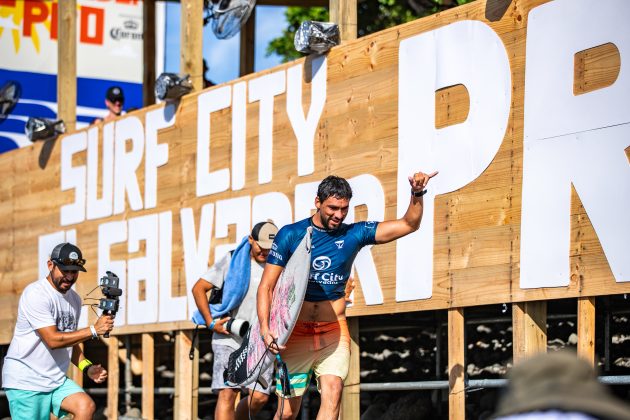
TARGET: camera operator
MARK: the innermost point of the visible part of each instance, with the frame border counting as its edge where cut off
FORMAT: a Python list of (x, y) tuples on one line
[(46, 339), (237, 275)]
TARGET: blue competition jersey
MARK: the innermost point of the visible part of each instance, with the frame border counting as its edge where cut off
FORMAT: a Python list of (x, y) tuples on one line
[(332, 254)]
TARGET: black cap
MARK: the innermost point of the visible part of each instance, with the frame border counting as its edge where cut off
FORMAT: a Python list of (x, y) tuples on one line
[(115, 93), (68, 257), (264, 233)]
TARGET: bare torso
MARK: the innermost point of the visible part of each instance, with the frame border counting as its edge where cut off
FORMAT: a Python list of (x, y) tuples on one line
[(324, 311)]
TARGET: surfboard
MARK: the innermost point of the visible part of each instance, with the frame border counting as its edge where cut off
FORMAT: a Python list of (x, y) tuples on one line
[(245, 363)]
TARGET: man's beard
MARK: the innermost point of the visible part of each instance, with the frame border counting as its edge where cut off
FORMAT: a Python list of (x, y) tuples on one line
[(57, 282), (326, 222)]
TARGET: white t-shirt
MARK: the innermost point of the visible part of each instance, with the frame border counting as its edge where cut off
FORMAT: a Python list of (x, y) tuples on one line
[(247, 309), (29, 363)]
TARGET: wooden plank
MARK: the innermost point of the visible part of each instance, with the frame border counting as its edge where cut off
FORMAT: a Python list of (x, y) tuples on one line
[(248, 45), (351, 397), (586, 328), (476, 228), (529, 329), (596, 68), (191, 41), (148, 52), (183, 399), (344, 14), (113, 378), (195, 382), (148, 376), (456, 364), (149, 328), (67, 63)]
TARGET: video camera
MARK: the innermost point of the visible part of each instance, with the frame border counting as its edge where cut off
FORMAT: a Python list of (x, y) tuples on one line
[(110, 303)]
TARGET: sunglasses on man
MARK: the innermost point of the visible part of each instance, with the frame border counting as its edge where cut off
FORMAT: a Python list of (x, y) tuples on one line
[(69, 262)]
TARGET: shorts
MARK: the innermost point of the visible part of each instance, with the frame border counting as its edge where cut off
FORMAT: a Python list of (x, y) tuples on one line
[(322, 348), (219, 364), (37, 405)]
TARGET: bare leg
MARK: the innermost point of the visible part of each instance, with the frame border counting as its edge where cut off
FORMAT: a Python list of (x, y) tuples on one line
[(225, 404), (290, 410), (80, 405), (255, 400), (331, 387)]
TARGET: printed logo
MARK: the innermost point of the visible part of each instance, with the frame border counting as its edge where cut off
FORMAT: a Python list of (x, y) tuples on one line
[(339, 244), (130, 24), (66, 322), (321, 263), (370, 225), (130, 30)]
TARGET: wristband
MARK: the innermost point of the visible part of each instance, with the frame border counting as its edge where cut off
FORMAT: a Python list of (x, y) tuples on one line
[(211, 326), (94, 333), (83, 364), (418, 193)]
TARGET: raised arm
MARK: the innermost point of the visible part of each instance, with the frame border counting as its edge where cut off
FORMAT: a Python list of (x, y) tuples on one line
[(391, 230), (263, 300)]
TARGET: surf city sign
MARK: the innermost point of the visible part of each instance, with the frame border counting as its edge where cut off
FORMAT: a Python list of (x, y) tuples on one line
[(568, 140)]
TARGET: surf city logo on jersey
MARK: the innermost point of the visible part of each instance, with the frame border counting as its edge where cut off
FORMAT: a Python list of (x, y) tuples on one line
[(321, 263)]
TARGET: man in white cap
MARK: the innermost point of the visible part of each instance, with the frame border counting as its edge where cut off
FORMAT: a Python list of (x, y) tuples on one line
[(46, 339), (235, 277)]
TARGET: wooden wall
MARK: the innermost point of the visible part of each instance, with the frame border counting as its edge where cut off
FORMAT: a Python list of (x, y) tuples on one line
[(477, 228)]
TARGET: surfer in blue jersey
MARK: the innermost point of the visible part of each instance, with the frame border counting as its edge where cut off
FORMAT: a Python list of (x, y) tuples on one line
[(320, 342)]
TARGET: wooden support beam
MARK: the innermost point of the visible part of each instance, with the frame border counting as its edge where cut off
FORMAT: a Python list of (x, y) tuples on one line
[(113, 378), (67, 63), (344, 14), (248, 41), (148, 376), (586, 328), (183, 376), (191, 43), (350, 399), (529, 329), (148, 52), (195, 381), (456, 364)]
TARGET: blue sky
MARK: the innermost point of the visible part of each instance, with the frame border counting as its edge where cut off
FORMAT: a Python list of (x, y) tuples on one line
[(222, 56)]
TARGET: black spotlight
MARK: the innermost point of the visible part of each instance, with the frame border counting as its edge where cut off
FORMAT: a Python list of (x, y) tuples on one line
[(171, 86), (9, 96), (39, 129)]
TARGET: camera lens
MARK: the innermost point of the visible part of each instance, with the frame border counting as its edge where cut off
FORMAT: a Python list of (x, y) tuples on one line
[(237, 326)]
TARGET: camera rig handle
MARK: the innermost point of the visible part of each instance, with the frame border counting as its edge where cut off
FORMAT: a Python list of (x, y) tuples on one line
[(111, 302)]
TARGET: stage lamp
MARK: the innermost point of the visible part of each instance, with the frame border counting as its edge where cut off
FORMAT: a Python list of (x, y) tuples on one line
[(40, 129), (316, 37), (9, 95), (171, 86)]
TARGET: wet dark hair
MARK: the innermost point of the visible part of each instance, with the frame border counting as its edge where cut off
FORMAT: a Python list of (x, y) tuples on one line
[(334, 186)]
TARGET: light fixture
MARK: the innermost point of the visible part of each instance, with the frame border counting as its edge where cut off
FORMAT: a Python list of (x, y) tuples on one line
[(9, 95), (171, 86), (316, 37), (40, 129)]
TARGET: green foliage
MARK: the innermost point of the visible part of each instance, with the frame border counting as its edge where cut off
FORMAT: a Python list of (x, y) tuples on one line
[(372, 16)]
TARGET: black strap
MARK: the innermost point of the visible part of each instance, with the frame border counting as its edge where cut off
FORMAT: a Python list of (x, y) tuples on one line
[(191, 355)]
